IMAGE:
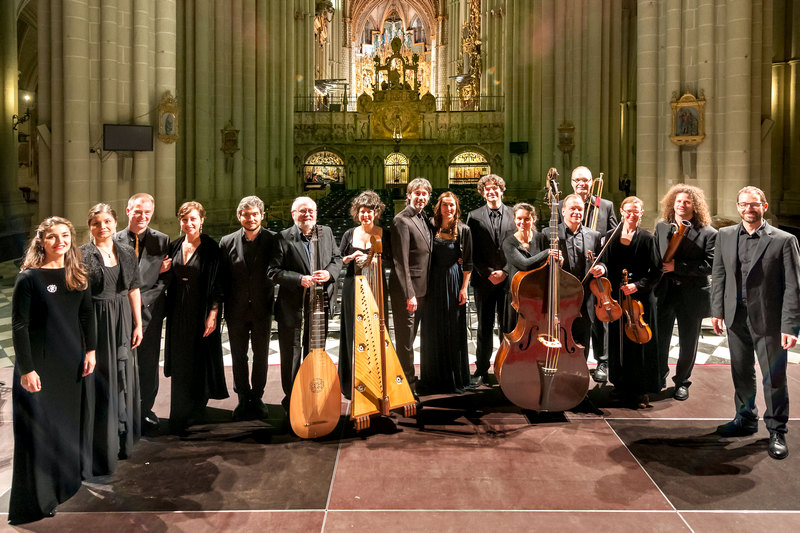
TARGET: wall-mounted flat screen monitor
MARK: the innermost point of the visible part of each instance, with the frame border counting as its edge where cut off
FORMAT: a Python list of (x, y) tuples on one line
[(127, 137)]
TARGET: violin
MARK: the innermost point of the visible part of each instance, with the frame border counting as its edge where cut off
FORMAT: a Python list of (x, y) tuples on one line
[(636, 329), (607, 309), (539, 365)]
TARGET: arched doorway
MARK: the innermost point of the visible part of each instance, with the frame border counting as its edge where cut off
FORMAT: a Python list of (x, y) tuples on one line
[(395, 170), (322, 168), (467, 168)]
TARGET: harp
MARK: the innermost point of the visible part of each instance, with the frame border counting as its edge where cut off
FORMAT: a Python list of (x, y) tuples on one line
[(379, 384)]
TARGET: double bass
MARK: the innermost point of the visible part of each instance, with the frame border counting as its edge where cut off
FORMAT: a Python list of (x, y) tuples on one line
[(540, 365), (379, 384), (316, 400)]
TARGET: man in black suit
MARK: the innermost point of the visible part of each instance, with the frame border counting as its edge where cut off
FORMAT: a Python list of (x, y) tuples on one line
[(412, 242), (490, 225), (575, 241), (151, 248), (581, 181), (248, 304), (684, 292), (755, 291), (295, 269)]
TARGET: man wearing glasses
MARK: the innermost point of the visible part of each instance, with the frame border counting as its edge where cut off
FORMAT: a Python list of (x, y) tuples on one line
[(606, 221), (756, 293), (295, 267)]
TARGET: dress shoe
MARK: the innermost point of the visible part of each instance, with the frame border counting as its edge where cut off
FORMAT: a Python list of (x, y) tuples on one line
[(738, 427), (601, 372), (681, 393), (149, 425), (240, 413), (777, 445), (257, 409)]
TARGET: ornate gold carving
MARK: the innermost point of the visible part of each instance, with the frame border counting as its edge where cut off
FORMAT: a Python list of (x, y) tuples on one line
[(168, 131), (688, 119)]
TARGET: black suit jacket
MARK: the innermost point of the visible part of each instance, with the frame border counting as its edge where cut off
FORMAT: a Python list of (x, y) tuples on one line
[(289, 263), (606, 219), (773, 283), (591, 243), (249, 293), (154, 247), (488, 253), (693, 260), (412, 242)]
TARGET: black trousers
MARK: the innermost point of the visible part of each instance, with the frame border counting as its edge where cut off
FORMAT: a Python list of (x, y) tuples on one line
[(490, 304), (405, 331), (745, 345), (249, 385), (599, 333), (676, 304), (148, 354)]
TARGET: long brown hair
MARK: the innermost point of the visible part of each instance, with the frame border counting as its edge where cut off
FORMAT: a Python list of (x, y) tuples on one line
[(437, 213), (73, 265)]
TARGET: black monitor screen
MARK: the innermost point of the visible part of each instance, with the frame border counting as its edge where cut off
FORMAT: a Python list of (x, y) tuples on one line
[(125, 137)]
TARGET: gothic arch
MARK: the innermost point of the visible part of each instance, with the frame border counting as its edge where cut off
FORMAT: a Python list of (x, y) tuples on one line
[(427, 11)]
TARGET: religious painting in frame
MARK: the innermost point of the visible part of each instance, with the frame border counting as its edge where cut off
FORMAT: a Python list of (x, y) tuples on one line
[(168, 131), (688, 120)]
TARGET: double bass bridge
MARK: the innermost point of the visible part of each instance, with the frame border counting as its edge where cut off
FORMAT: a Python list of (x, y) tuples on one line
[(548, 340)]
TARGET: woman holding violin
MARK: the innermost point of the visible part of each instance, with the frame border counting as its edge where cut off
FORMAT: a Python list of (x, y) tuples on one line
[(633, 365)]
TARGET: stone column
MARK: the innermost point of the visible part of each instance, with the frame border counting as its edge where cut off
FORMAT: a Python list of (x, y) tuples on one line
[(165, 80)]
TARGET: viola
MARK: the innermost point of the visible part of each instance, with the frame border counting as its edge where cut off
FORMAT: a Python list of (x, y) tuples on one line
[(607, 309), (636, 329), (539, 365)]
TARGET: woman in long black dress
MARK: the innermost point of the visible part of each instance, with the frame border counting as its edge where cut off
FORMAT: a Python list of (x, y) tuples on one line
[(54, 342), (444, 359), (366, 210), (525, 250), (633, 368), (193, 348), (114, 401)]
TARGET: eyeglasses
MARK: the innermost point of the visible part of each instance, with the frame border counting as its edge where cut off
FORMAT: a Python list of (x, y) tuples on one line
[(305, 211), (632, 213), (745, 205)]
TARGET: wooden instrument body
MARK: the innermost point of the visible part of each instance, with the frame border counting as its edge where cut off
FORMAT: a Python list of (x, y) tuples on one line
[(607, 309), (379, 383), (316, 399), (531, 374), (541, 367), (636, 329), (675, 240)]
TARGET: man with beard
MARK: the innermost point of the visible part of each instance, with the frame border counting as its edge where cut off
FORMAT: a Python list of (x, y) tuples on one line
[(412, 242), (248, 304), (490, 225), (684, 292), (293, 267), (606, 221), (151, 250), (755, 292)]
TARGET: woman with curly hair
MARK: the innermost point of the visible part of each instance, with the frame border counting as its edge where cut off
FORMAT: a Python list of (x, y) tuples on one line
[(684, 292), (366, 210), (54, 342)]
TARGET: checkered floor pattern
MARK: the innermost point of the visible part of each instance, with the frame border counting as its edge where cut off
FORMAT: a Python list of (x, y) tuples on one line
[(712, 349)]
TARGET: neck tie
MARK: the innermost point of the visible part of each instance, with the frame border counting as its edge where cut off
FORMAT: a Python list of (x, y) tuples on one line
[(136, 245)]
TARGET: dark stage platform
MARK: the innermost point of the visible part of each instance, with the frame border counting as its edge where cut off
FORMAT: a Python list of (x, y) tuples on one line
[(468, 462)]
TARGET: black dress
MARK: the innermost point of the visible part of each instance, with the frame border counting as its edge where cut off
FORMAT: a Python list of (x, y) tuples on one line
[(444, 358), (113, 389), (348, 305), (634, 369), (518, 259), (192, 361), (52, 329)]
